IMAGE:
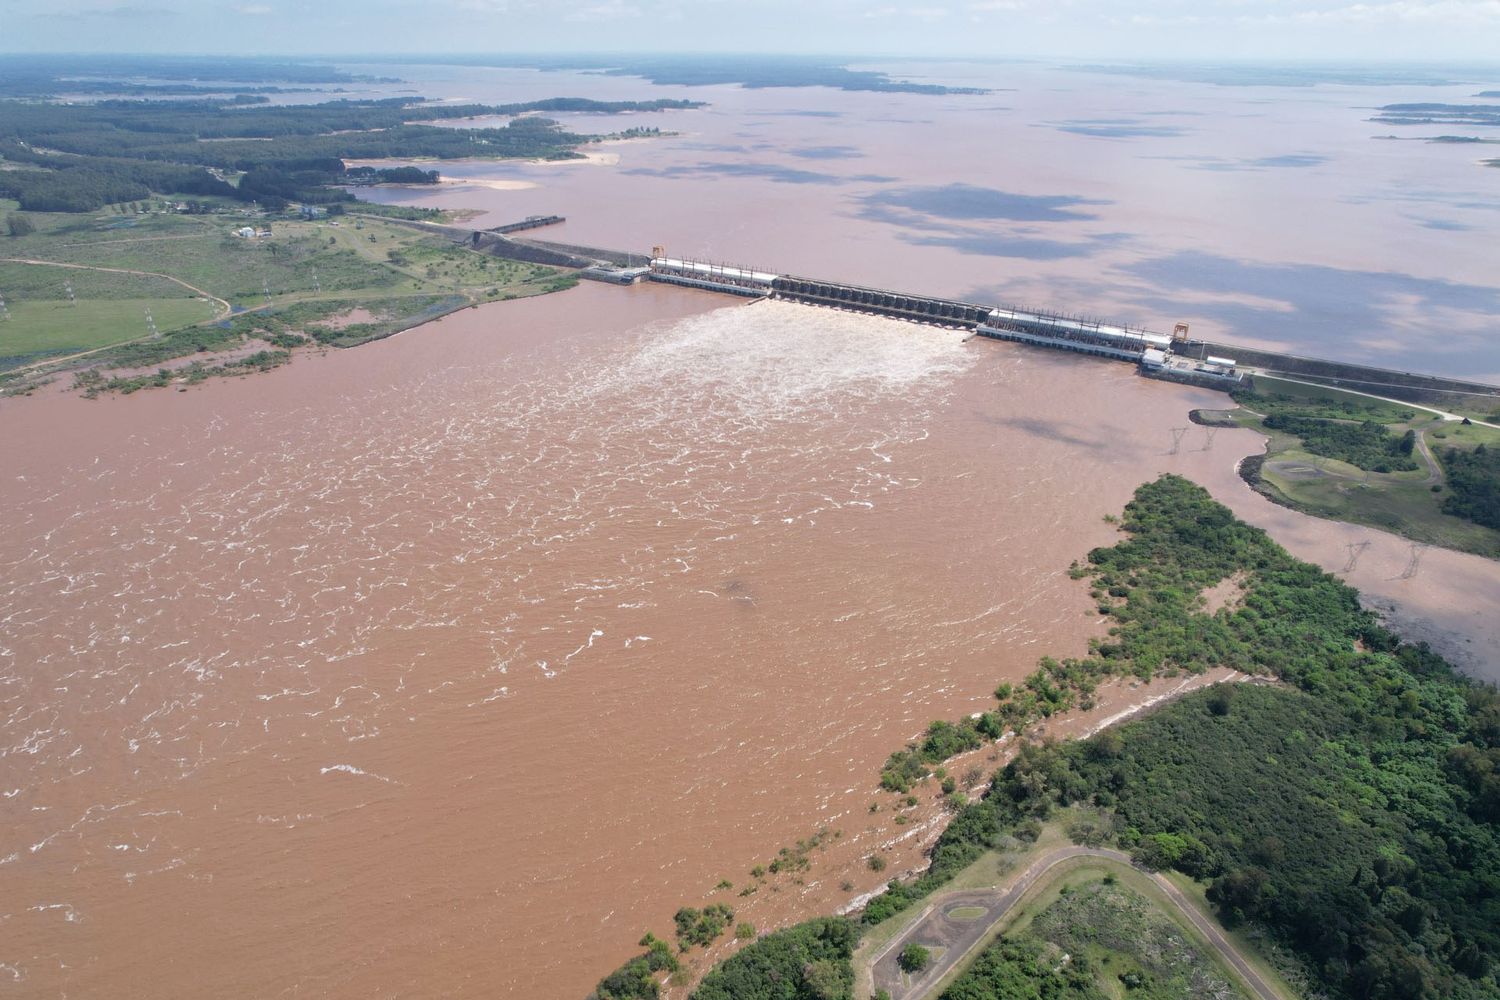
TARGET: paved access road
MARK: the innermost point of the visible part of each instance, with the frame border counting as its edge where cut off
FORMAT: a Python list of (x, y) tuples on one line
[(958, 938)]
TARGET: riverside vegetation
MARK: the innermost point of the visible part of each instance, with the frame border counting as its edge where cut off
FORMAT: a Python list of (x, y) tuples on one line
[(1351, 458), (1348, 812)]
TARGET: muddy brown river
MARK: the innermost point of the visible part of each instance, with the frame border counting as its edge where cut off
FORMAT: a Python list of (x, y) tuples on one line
[(446, 666)]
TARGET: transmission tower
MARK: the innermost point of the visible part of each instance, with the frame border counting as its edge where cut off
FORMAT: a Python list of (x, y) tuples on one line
[(1177, 433), (151, 329), (317, 285), (265, 286), (1417, 548), (68, 287), (1356, 549), (1208, 438), (4, 309)]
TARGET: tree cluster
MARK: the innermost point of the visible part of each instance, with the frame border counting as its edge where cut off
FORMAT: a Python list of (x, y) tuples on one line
[(1366, 444), (809, 961), (1473, 485)]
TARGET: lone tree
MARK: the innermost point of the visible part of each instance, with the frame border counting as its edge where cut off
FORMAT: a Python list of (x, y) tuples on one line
[(19, 225), (914, 958)]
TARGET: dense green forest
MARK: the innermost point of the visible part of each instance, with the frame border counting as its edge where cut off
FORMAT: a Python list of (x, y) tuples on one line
[(80, 157), (1350, 810), (1473, 485), (1366, 444)]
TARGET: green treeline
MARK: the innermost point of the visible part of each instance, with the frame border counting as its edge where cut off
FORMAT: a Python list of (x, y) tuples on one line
[(1367, 444), (80, 157), (809, 961), (1473, 485), (1351, 811)]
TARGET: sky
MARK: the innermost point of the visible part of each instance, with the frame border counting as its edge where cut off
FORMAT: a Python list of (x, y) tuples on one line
[(1303, 30)]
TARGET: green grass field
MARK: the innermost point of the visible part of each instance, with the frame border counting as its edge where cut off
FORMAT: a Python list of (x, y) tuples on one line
[(52, 327), (306, 273)]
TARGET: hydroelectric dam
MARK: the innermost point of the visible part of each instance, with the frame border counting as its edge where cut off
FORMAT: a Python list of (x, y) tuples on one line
[(1175, 357), (1156, 355)]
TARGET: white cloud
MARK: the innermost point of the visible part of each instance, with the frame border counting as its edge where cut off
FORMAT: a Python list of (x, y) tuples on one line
[(1434, 12), (609, 10)]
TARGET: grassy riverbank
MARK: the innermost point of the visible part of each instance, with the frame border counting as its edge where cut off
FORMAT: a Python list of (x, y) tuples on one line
[(1308, 468), (330, 281)]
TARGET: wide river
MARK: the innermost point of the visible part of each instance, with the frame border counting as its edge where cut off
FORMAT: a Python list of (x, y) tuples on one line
[(446, 666)]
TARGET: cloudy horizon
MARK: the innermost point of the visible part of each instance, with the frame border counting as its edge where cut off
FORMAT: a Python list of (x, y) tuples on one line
[(1260, 30)]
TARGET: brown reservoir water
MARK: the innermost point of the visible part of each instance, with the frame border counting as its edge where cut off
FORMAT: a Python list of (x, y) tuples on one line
[(448, 665)]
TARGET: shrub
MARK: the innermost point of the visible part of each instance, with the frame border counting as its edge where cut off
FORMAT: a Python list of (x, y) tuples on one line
[(701, 927), (914, 958)]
